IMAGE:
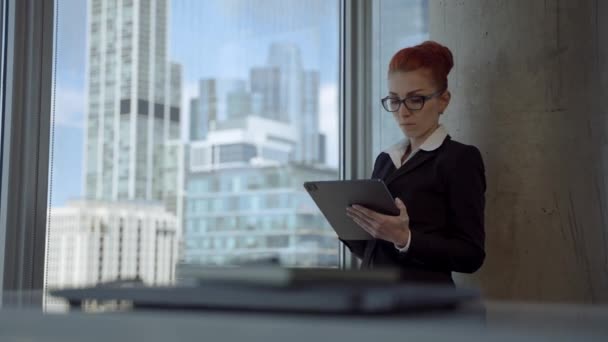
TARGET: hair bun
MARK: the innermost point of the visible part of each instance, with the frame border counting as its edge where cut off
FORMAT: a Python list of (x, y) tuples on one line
[(430, 55), (444, 52)]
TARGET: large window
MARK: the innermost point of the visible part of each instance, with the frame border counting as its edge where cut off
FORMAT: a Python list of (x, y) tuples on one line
[(396, 24), (183, 131)]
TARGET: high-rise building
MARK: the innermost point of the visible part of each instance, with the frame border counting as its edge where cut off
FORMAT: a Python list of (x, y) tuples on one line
[(133, 101), (100, 241), (308, 150), (265, 82), (128, 224), (214, 101), (245, 200), (196, 121), (287, 59), (297, 97), (239, 104)]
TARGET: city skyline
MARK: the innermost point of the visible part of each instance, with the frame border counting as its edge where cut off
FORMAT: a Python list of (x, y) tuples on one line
[(281, 91), (253, 143), (135, 156), (219, 142), (69, 114)]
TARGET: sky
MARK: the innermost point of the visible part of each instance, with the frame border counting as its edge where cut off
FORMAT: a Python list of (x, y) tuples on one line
[(210, 39)]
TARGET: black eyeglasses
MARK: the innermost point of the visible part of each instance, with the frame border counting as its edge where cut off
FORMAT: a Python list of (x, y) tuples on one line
[(416, 102)]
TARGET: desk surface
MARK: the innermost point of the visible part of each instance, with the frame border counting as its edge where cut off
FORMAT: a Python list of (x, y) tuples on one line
[(495, 321)]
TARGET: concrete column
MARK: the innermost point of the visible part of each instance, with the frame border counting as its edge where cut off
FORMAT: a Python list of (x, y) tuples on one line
[(530, 89)]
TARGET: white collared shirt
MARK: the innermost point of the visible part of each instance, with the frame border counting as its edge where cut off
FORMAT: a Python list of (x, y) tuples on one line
[(431, 143), (397, 150)]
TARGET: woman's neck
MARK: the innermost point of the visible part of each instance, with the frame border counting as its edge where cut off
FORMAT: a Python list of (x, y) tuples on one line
[(417, 141)]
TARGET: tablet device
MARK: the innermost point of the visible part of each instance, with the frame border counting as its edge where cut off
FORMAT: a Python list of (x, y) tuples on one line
[(332, 198)]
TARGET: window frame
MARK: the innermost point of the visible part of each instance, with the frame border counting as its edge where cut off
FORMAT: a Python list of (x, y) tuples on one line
[(27, 107), (28, 57), (355, 90)]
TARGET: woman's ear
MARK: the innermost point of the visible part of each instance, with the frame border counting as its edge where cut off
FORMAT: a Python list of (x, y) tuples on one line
[(445, 100)]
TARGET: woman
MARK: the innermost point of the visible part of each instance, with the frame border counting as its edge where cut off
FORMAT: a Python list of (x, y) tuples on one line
[(438, 183)]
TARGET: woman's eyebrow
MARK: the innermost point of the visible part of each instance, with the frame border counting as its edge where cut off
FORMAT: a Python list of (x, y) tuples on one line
[(406, 95), (413, 92)]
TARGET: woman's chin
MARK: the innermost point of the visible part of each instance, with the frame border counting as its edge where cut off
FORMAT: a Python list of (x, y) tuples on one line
[(408, 131)]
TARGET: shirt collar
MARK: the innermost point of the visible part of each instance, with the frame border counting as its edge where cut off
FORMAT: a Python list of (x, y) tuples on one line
[(431, 143)]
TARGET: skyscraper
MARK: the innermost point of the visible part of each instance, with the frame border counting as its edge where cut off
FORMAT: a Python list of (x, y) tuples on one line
[(213, 104), (245, 199), (290, 94), (133, 104), (286, 58), (298, 99), (196, 121), (127, 225), (308, 151), (265, 83)]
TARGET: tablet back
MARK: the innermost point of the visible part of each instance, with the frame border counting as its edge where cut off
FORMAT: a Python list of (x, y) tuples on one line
[(332, 198)]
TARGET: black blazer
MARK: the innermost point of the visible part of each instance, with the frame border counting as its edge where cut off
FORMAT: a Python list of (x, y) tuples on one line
[(444, 193)]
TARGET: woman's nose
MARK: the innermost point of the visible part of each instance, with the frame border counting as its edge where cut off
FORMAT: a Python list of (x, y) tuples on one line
[(403, 111)]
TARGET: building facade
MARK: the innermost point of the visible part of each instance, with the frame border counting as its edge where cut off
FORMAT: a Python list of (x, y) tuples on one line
[(94, 242), (133, 102), (245, 200)]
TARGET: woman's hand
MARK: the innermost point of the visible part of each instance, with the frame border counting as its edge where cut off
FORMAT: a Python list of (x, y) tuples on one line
[(395, 229)]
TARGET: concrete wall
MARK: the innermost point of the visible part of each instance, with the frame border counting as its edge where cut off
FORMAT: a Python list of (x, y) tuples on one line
[(530, 89)]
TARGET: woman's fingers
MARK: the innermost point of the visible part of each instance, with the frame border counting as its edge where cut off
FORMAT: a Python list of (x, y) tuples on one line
[(371, 221), (361, 220), (364, 225), (370, 214), (361, 216)]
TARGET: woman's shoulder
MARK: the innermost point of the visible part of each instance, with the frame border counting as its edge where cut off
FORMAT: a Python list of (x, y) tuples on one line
[(456, 152), (457, 146), (382, 158)]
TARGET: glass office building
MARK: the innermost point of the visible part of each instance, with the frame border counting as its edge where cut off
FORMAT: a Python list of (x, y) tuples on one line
[(245, 200)]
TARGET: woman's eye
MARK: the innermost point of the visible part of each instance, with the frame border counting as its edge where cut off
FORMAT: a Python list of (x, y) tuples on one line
[(415, 100)]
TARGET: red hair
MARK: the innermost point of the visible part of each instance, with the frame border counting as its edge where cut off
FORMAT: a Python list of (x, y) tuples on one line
[(428, 55)]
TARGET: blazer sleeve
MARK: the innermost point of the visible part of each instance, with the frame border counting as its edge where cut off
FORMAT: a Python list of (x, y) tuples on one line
[(460, 247), (357, 247)]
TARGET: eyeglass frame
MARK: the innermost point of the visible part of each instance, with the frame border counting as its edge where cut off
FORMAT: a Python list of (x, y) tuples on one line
[(402, 101)]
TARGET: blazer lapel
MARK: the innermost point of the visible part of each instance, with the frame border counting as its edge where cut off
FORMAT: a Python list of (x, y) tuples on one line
[(418, 159)]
